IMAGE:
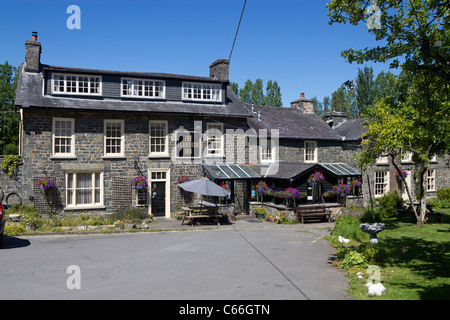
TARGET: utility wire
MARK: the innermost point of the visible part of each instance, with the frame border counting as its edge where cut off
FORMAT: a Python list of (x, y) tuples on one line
[(237, 30)]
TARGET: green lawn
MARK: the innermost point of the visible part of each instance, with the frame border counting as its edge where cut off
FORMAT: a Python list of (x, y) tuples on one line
[(415, 264)]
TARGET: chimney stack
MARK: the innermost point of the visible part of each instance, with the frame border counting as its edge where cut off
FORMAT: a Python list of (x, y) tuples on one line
[(33, 51), (306, 105), (219, 69)]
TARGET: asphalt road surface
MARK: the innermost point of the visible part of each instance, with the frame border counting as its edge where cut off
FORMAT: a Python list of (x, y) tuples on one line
[(245, 262)]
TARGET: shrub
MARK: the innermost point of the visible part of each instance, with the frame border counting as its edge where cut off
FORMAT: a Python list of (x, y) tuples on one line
[(368, 217), (389, 203), (348, 227), (131, 214), (354, 259), (443, 194), (14, 230)]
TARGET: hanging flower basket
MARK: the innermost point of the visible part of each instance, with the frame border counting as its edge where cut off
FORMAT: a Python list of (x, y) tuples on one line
[(182, 179), (404, 174), (46, 184), (225, 186), (356, 187), (316, 177), (262, 189), (140, 182)]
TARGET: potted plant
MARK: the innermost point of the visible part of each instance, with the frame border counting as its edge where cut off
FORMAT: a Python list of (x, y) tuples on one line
[(260, 212), (278, 196), (329, 196), (271, 217), (31, 224)]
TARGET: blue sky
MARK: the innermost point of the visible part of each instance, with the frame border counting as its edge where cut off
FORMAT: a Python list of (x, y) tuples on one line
[(289, 41)]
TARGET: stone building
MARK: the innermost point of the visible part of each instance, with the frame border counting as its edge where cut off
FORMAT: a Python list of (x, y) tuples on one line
[(94, 131), (381, 178)]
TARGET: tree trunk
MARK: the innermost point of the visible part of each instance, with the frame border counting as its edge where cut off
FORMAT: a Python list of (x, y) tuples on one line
[(422, 188)]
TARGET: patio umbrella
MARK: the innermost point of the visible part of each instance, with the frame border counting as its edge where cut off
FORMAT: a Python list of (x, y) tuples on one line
[(205, 187)]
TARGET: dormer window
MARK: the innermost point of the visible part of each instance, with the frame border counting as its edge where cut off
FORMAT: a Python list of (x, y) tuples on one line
[(142, 88), (201, 92), (76, 84)]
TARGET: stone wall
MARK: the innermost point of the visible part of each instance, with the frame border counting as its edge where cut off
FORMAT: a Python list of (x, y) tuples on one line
[(89, 136)]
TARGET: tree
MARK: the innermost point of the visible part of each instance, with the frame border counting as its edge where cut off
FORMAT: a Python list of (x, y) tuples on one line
[(417, 32), (365, 92), (326, 104), (273, 94), (235, 87), (245, 92), (257, 94), (384, 85), (9, 120), (253, 93), (409, 123), (341, 101), (318, 106)]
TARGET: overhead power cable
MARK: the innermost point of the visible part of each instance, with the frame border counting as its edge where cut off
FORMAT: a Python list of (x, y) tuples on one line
[(237, 30)]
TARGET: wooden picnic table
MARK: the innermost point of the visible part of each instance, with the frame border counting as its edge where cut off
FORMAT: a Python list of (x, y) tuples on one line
[(430, 211), (197, 213)]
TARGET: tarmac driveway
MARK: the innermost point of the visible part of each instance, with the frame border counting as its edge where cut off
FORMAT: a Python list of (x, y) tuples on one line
[(240, 261)]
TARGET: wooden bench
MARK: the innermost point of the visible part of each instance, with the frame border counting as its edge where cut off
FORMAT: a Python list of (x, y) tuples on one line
[(307, 212), (193, 213)]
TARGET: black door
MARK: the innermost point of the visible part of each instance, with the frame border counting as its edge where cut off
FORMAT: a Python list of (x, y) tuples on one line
[(158, 199)]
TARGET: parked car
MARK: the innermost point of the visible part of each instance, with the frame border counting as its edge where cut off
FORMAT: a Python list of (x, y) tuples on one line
[(2, 221)]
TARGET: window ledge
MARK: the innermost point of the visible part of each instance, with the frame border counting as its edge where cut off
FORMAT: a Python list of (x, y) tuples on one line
[(84, 208), (112, 157), (71, 157), (158, 156)]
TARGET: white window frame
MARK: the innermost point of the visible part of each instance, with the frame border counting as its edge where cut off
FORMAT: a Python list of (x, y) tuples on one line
[(308, 146), (71, 191), (77, 84), (193, 91), (147, 90), (431, 180), (382, 160), (407, 157), (165, 138), (70, 154), (210, 135), (381, 187), (266, 150), (122, 138)]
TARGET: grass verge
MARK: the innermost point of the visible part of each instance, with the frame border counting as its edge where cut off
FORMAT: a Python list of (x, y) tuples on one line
[(414, 262)]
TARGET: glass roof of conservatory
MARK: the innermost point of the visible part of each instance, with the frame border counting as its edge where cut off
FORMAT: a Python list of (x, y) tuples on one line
[(340, 169), (230, 171)]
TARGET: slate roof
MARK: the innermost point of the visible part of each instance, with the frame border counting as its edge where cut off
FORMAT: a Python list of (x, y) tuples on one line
[(350, 129), (291, 123), (30, 88)]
